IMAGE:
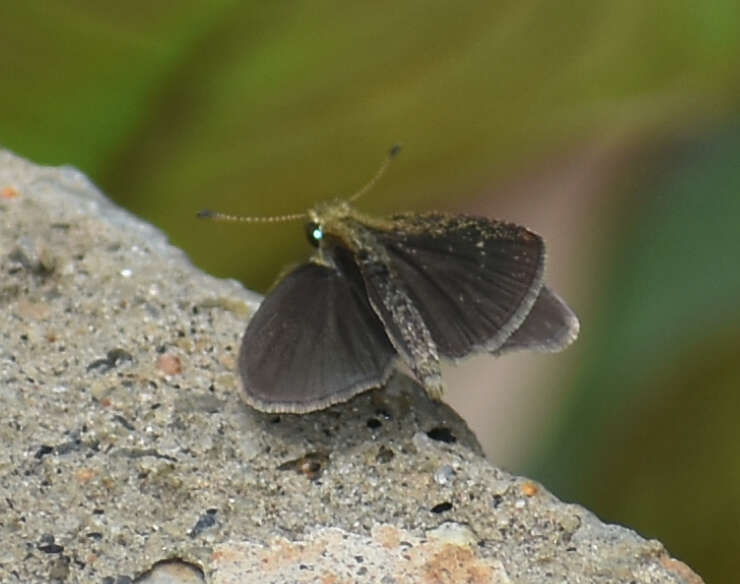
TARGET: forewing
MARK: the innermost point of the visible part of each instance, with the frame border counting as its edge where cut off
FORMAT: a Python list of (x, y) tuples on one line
[(550, 326), (313, 342), (473, 280)]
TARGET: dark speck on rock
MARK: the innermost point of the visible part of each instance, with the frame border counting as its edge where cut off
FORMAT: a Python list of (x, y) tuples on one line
[(205, 521), (124, 422), (112, 359), (51, 548), (43, 450), (442, 434), (441, 507)]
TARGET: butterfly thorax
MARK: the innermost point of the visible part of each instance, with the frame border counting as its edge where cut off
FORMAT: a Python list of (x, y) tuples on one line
[(349, 241)]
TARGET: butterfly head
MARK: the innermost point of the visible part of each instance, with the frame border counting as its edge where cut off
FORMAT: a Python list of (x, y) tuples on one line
[(326, 218)]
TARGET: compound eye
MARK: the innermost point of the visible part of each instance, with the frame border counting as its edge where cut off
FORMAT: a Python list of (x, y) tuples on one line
[(314, 233)]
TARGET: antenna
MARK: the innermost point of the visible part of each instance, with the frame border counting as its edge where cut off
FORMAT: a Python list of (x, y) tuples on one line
[(216, 216), (392, 153)]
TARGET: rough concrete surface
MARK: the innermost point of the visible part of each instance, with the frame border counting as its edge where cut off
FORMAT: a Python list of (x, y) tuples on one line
[(128, 455)]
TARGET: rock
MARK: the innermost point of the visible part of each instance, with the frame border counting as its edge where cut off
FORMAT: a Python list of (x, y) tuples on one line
[(129, 456)]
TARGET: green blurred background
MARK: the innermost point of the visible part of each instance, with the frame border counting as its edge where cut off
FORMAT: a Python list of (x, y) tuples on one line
[(612, 128)]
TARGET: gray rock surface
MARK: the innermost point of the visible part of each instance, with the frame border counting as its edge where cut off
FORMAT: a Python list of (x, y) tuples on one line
[(129, 456)]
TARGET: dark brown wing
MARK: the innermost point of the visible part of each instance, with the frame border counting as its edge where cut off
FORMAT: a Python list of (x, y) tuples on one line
[(473, 280), (313, 342), (550, 326)]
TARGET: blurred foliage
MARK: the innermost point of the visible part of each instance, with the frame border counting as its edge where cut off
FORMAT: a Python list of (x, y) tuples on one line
[(265, 108), (649, 435)]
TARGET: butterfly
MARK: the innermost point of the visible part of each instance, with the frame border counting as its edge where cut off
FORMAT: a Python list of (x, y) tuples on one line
[(410, 289)]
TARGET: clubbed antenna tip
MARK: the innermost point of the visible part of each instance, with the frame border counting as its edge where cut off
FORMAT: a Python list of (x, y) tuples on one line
[(391, 155)]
